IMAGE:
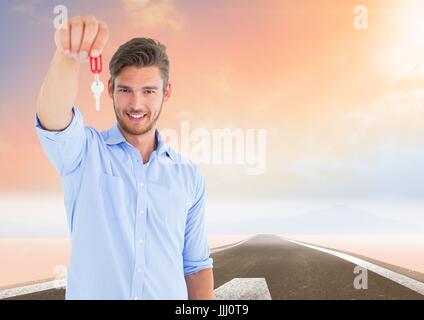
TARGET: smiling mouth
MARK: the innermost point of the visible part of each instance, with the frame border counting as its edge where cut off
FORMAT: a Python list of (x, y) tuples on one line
[(136, 117)]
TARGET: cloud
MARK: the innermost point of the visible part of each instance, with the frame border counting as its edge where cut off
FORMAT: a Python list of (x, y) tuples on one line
[(5, 147), (222, 80), (27, 8), (153, 14), (394, 113), (390, 167), (23, 7)]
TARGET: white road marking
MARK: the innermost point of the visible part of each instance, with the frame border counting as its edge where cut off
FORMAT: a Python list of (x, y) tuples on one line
[(231, 246), (405, 281), (243, 289), (37, 287), (236, 289), (61, 284)]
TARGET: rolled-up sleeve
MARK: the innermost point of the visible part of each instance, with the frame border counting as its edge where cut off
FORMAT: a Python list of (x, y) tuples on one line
[(196, 253), (65, 148)]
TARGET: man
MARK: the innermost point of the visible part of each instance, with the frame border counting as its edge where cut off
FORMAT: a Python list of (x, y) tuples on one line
[(135, 207)]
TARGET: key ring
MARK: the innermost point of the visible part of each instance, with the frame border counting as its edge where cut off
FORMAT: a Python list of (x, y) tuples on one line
[(96, 66)]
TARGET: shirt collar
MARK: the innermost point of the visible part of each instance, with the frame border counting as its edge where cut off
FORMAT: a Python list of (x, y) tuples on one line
[(115, 136)]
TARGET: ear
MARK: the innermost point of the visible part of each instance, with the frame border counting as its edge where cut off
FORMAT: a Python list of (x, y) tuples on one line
[(167, 92), (109, 88)]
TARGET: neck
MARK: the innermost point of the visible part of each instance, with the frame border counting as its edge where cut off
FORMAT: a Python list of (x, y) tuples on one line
[(145, 143)]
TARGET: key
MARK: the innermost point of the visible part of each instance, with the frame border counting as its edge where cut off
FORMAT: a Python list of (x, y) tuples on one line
[(97, 87)]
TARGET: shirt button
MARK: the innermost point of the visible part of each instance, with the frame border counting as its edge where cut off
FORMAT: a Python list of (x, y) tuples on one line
[(141, 184), (141, 212), (140, 240), (139, 270), (136, 298)]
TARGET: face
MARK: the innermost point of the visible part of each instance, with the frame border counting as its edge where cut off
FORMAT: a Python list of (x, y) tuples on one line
[(138, 96)]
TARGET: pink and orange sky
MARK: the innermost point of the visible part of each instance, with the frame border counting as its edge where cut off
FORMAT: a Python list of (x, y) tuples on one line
[(342, 107)]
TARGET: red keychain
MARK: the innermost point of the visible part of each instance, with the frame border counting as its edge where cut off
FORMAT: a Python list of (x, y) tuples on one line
[(97, 87), (96, 64)]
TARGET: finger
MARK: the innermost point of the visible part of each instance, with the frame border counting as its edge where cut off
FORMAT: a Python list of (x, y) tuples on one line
[(91, 27), (101, 39), (62, 38), (77, 29)]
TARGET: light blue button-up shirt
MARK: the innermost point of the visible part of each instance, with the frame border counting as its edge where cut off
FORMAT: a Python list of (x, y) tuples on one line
[(136, 229)]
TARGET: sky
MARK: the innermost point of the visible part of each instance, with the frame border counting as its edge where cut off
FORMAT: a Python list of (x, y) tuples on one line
[(342, 108)]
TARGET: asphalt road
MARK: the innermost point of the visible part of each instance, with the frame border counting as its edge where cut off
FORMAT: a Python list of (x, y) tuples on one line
[(292, 271)]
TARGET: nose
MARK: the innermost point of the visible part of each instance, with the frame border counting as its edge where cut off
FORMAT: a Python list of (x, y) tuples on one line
[(137, 99)]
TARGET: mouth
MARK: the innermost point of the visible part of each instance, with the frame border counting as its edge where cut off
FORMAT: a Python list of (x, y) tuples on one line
[(136, 117)]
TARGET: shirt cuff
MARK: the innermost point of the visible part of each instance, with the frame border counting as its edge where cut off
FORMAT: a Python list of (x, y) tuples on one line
[(77, 121), (195, 266)]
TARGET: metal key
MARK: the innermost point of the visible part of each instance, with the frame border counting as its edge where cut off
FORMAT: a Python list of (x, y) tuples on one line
[(97, 87)]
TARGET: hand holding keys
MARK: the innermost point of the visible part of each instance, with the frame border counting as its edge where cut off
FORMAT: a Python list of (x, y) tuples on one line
[(97, 87), (82, 37)]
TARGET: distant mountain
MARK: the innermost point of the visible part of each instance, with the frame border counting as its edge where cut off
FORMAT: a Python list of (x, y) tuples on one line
[(339, 219)]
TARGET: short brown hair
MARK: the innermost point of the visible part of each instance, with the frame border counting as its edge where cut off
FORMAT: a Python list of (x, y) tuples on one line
[(140, 52)]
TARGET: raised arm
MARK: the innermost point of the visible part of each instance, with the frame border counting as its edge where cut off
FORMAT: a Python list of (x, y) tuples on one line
[(75, 41)]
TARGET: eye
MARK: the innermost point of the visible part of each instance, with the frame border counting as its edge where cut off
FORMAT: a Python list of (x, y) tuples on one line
[(123, 90), (149, 91)]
